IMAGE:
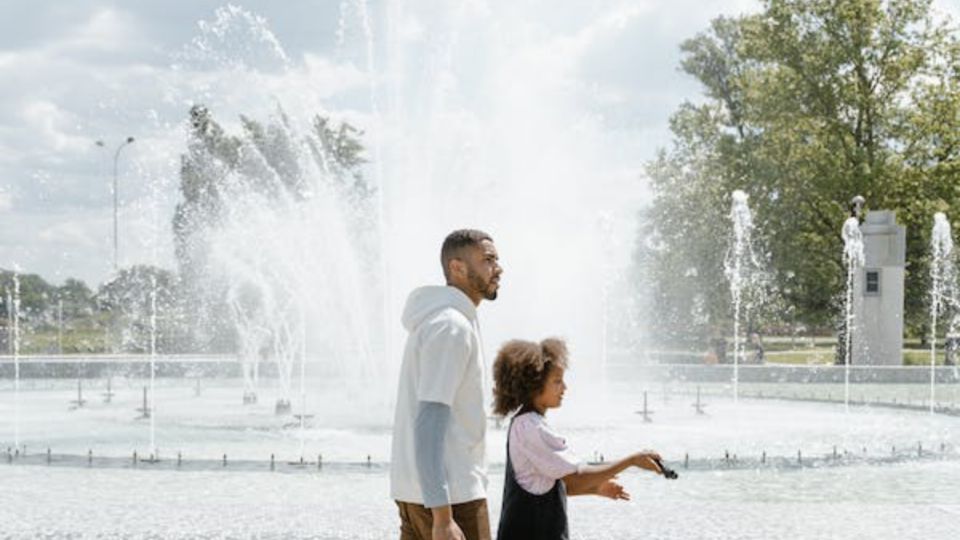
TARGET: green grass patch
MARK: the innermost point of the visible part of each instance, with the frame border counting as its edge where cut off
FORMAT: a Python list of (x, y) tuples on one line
[(802, 357), (921, 358), (826, 356), (75, 341)]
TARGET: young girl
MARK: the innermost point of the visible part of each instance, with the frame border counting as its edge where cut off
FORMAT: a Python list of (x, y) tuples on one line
[(541, 471)]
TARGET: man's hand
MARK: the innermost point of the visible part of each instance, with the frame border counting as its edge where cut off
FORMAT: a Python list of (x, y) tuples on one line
[(612, 490), (444, 527), (447, 531)]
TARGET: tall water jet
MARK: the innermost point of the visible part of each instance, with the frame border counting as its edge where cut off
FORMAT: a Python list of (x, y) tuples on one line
[(943, 287), (153, 367), (303, 382), (60, 326), (361, 13), (9, 307), (853, 259), (605, 225), (16, 355), (743, 271)]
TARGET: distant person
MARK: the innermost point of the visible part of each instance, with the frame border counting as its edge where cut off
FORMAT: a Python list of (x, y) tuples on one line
[(758, 353), (541, 470), (438, 475), (719, 346)]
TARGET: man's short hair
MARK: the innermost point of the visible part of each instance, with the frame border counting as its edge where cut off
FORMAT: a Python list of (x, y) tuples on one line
[(456, 242)]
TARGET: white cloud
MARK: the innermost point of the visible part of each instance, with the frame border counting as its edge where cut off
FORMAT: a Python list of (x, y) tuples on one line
[(73, 233), (6, 200), (50, 126), (327, 78), (105, 30)]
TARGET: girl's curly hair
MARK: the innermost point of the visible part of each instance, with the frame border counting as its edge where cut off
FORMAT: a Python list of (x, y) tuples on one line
[(520, 371)]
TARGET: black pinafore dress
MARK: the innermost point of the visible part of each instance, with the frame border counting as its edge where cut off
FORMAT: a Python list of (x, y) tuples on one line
[(525, 516)]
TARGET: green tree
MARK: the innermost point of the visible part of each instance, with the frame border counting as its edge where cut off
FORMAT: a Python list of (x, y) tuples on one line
[(77, 299), (807, 103), (138, 301), (36, 296)]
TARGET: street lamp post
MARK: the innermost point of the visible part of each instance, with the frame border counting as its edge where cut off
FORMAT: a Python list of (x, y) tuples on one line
[(116, 157)]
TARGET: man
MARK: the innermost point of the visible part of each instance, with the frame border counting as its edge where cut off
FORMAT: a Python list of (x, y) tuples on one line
[(438, 471)]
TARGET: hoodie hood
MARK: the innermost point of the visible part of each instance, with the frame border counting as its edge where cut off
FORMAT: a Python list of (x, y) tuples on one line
[(425, 301)]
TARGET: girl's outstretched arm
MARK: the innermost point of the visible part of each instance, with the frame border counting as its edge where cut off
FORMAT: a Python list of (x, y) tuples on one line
[(589, 478)]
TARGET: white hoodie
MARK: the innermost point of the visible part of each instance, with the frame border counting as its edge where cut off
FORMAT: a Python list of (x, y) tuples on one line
[(442, 362)]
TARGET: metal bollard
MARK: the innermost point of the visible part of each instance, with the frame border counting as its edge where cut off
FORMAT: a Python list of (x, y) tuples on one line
[(763, 458), (319, 461), (686, 461), (179, 458), (89, 457), (224, 460), (134, 458), (272, 462), (799, 458)]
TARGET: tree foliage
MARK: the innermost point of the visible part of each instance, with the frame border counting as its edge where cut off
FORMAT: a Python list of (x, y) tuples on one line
[(40, 300), (138, 304), (807, 103)]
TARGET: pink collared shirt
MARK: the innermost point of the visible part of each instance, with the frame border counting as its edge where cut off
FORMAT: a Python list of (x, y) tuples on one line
[(539, 455)]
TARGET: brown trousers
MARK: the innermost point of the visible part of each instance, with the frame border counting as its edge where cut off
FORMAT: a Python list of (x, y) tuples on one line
[(416, 521)]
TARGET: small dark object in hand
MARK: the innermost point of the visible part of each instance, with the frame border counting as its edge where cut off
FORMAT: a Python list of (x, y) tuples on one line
[(668, 473)]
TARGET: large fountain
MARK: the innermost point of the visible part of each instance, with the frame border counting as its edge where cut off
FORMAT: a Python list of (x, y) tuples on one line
[(469, 118)]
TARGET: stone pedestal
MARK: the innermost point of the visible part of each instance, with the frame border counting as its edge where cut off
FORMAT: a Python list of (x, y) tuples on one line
[(878, 292)]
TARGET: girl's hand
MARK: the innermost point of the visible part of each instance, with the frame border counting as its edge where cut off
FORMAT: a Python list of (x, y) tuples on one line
[(648, 460), (612, 490)]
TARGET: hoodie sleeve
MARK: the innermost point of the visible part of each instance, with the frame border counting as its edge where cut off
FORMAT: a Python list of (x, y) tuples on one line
[(444, 355)]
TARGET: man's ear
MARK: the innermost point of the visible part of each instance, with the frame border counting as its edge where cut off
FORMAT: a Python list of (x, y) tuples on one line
[(458, 268)]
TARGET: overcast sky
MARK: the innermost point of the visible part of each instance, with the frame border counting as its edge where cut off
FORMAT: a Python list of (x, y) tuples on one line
[(75, 72)]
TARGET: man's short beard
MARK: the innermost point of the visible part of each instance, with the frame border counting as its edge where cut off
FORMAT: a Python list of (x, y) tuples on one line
[(478, 284)]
